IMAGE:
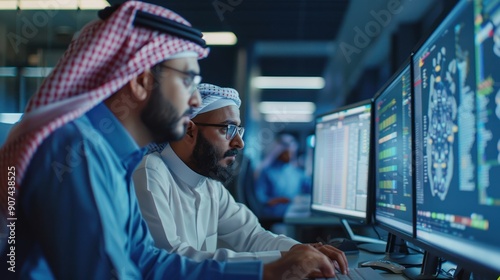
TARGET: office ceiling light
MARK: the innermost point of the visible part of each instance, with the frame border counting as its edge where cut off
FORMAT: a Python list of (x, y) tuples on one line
[(299, 108), (10, 118), (53, 4), (220, 38), (288, 118), (286, 112), (8, 71), (268, 82), (36, 72)]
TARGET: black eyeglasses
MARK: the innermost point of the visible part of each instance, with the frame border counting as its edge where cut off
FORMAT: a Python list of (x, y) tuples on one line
[(231, 129), (191, 81)]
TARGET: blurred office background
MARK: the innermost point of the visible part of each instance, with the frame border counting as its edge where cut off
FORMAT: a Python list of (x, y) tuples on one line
[(336, 52)]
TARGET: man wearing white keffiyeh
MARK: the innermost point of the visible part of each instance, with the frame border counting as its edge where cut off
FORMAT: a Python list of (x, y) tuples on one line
[(182, 197), (127, 80)]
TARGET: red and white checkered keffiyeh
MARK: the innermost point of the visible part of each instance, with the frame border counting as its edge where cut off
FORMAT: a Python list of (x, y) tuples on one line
[(103, 58)]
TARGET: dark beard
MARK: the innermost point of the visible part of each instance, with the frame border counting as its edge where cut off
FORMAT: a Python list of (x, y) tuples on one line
[(206, 159), (161, 118)]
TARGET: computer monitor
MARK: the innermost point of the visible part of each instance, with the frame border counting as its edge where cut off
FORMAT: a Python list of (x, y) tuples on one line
[(393, 154), (457, 138), (341, 162), (393, 165), (341, 165)]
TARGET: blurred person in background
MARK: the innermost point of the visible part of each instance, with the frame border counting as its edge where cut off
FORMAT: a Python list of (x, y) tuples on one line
[(280, 178)]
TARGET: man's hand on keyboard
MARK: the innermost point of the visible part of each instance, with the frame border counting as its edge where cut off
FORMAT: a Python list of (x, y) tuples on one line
[(337, 256), (302, 260)]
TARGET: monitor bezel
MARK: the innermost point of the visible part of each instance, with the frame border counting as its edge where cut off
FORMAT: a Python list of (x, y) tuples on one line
[(368, 217)]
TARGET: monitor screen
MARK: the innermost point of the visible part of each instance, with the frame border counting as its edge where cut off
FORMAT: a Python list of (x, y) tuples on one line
[(393, 154), (457, 136), (341, 162)]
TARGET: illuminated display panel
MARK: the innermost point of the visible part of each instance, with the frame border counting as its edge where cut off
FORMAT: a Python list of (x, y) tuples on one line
[(341, 162), (457, 136), (393, 155)]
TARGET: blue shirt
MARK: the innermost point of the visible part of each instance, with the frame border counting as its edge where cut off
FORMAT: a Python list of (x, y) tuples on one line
[(78, 216)]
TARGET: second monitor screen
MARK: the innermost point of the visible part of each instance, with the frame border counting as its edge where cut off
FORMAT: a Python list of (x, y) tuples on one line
[(393, 156)]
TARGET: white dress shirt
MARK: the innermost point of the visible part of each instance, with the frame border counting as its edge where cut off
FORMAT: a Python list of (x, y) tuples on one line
[(197, 217)]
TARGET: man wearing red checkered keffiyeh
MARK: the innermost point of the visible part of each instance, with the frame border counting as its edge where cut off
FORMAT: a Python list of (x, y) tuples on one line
[(71, 212)]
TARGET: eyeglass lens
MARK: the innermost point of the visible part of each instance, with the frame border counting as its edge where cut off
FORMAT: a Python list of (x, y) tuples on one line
[(193, 79), (232, 130)]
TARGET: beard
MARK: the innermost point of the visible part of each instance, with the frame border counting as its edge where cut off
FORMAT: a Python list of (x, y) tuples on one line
[(206, 158), (162, 118)]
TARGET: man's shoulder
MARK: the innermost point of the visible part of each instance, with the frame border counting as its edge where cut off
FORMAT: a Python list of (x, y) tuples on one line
[(68, 150), (74, 142), (72, 133), (218, 189), (153, 161), (215, 183)]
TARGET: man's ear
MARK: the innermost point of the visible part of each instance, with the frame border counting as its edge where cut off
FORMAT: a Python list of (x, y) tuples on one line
[(142, 85), (191, 132)]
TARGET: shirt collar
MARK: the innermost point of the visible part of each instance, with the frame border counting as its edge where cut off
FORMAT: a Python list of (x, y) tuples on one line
[(180, 169), (116, 135)]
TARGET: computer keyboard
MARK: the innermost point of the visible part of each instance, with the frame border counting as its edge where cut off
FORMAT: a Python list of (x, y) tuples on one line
[(360, 273)]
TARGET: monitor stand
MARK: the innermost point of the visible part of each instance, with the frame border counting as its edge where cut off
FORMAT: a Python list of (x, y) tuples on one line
[(397, 251), (371, 245), (462, 274), (429, 269)]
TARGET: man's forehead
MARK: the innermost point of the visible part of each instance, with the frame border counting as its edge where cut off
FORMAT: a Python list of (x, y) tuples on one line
[(184, 63)]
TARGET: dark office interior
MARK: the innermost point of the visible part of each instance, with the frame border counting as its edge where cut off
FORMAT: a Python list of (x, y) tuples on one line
[(351, 48)]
